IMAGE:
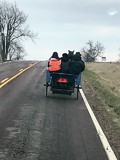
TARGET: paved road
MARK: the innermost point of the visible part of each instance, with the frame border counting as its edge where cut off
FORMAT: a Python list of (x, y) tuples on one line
[(33, 127)]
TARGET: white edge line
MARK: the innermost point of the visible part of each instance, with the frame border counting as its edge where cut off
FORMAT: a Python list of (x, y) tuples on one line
[(105, 143)]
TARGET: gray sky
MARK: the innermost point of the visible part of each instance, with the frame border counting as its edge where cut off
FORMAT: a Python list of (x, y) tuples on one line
[(68, 24)]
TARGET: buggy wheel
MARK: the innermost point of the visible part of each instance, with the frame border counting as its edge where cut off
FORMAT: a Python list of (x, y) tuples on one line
[(77, 91), (46, 89), (53, 92)]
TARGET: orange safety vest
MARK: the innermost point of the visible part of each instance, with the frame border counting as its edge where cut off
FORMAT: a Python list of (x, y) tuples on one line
[(54, 65)]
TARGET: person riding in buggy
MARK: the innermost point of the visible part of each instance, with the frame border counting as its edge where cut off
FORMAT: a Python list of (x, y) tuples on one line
[(64, 74)]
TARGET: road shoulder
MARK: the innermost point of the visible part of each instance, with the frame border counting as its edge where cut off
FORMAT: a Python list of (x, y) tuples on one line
[(105, 120)]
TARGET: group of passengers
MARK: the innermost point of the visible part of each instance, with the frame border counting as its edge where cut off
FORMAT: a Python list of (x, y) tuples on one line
[(66, 64), (70, 64)]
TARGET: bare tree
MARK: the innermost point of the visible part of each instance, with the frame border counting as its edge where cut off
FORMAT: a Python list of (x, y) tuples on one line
[(92, 51), (16, 51), (13, 29)]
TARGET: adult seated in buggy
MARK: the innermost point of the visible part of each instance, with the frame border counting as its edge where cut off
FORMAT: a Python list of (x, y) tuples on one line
[(54, 65), (65, 63), (77, 66)]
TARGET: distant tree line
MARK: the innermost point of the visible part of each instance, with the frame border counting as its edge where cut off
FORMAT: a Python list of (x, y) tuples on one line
[(12, 31)]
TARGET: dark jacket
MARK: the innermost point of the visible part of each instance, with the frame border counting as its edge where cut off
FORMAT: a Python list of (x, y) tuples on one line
[(65, 67), (65, 63), (76, 67)]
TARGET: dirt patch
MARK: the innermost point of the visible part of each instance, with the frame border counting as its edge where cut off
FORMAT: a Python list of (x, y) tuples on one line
[(105, 120)]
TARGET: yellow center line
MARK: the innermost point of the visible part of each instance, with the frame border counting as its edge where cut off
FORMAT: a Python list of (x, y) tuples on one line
[(4, 80), (10, 79)]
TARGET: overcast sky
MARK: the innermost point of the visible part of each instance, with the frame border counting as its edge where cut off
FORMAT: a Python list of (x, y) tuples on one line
[(64, 25)]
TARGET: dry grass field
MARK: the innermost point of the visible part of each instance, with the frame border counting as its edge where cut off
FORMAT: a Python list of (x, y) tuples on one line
[(105, 79), (108, 78), (101, 85), (109, 74)]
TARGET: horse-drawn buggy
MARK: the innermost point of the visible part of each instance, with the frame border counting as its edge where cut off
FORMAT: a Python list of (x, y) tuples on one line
[(63, 75), (63, 83)]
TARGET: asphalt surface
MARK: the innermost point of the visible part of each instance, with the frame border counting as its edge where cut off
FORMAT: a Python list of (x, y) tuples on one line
[(36, 127)]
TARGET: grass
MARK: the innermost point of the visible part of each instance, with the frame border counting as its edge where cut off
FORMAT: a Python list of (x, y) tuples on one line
[(105, 93), (101, 85)]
